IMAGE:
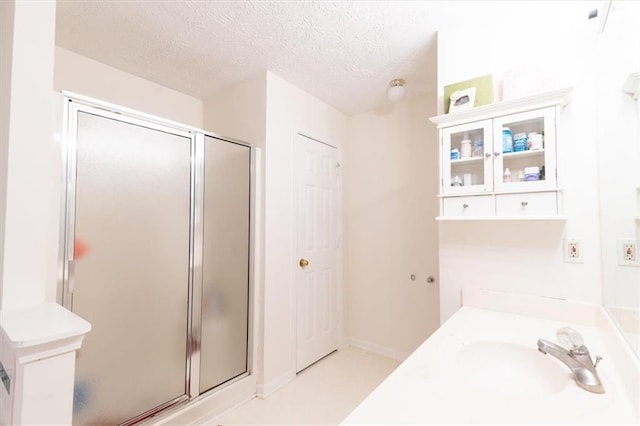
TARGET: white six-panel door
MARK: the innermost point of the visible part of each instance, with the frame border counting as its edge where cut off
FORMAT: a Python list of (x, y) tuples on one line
[(317, 246)]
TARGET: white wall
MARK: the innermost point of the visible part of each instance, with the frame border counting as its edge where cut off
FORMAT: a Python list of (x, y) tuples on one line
[(515, 46), (239, 112), (619, 151), (84, 76), (6, 61), (522, 256), (289, 110), (390, 207), (32, 157)]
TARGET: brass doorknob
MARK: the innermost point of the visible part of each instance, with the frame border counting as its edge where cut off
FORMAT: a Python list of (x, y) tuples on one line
[(303, 263)]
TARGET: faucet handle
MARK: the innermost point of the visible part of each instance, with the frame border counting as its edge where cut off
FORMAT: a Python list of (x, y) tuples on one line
[(598, 359), (569, 338)]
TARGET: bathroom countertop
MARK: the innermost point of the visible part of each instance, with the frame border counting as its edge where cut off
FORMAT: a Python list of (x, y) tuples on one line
[(442, 382), (41, 324)]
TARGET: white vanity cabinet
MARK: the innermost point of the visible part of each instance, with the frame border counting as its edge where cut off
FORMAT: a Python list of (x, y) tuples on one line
[(474, 160)]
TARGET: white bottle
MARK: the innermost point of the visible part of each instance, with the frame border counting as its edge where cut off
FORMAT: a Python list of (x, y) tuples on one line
[(507, 175), (465, 149)]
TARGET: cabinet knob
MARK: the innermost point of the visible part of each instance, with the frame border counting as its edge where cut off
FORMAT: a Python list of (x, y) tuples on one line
[(487, 155), (496, 154), (465, 205), (303, 263), (524, 204)]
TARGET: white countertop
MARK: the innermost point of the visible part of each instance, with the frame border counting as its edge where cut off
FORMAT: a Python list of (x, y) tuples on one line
[(439, 383), (41, 324)]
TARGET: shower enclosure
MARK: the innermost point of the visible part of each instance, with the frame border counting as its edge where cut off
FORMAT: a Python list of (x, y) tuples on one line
[(157, 256)]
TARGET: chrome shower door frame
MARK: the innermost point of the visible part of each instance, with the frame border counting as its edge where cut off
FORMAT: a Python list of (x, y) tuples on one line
[(73, 105)]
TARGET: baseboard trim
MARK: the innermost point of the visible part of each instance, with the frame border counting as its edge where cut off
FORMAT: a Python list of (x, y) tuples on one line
[(378, 349), (267, 389)]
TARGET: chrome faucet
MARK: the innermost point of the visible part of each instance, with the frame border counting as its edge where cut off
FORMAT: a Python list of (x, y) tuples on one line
[(577, 358)]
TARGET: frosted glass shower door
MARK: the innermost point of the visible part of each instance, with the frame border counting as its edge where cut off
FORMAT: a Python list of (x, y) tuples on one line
[(225, 283), (131, 278)]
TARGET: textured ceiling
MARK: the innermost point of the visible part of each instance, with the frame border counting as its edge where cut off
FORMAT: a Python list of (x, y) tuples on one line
[(343, 52)]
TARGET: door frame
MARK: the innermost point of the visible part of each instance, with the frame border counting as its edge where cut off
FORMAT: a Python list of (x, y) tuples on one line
[(294, 244), (246, 383)]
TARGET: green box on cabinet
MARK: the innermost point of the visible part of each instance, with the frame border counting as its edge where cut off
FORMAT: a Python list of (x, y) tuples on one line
[(484, 90)]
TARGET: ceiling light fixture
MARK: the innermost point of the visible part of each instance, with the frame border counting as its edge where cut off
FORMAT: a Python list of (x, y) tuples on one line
[(396, 90)]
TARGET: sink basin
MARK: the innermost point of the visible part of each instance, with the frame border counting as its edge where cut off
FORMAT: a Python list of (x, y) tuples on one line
[(511, 369)]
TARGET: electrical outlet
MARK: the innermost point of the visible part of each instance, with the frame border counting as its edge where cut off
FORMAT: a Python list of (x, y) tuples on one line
[(573, 250), (628, 253)]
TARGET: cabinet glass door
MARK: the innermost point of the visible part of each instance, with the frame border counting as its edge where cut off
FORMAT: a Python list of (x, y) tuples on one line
[(466, 158), (528, 161)]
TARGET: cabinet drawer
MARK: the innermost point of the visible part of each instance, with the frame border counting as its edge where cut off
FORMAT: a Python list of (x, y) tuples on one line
[(476, 206), (527, 204)]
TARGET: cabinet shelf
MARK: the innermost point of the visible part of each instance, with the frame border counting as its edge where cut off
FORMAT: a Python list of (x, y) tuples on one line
[(462, 161), (524, 154)]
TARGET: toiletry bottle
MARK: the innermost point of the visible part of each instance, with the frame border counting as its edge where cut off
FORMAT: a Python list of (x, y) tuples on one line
[(520, 176), (519, 142), (507, 140), (478, 148), (465, 148), (531, 173), (507, 175)]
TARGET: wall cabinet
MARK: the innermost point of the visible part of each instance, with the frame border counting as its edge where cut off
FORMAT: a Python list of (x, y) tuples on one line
[(500, 161)]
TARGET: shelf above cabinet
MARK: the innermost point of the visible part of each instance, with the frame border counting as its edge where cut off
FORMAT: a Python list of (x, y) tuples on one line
[(559, 97)]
